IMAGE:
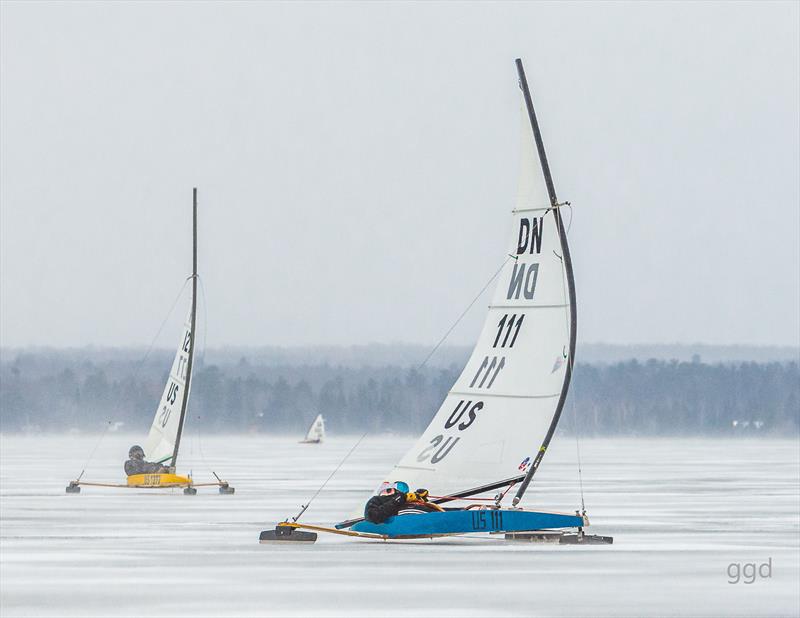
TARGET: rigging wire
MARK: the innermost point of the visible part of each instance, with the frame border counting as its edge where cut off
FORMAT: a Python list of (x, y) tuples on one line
[(350, 452), (160, 328), (578, 450), (569, 226), (572, 399), (197, 437), (136, 371), (191, 456), (200, 447), (463, 313), (99, 440), (564, 282)]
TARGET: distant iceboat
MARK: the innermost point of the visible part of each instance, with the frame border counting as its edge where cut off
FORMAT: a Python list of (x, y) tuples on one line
[(164, 440), (316, 432), (497, 421)]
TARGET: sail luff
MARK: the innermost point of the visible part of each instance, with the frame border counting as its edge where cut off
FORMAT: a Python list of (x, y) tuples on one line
[(567, 262), (189, 363)]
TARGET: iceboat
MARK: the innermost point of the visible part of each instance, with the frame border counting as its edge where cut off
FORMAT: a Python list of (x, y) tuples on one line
[(164, 439), (494, 427), (316, 432)]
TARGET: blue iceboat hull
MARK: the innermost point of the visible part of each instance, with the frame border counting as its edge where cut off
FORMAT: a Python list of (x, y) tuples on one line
[(464, 522)]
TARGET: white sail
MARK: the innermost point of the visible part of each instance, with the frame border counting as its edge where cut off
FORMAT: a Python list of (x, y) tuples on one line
[(500, 410), (317, 430), (166, 427)]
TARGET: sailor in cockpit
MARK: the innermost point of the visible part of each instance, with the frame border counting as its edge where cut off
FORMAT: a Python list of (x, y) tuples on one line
[(396, 499), (137, 465)]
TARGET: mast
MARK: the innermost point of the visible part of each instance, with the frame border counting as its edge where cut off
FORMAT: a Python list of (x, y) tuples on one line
[(187, 381), (567, 262)]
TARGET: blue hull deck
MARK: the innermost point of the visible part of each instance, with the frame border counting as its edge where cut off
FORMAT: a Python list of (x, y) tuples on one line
[(463, 522)]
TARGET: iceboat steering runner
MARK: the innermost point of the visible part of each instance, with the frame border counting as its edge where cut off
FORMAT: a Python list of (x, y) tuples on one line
[(494, 427), (153, 467)]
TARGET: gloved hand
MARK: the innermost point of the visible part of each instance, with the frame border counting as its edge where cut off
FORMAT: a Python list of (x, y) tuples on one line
[(411, 497), (422, 494)]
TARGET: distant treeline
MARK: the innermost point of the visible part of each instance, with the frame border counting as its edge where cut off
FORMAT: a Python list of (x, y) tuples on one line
[(57, 392)]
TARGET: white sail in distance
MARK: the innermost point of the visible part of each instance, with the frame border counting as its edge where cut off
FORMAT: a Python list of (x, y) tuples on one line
[(502, 410), (317, 430), (163, 436)]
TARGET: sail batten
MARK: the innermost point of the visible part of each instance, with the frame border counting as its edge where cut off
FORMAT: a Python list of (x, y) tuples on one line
[(522, 307), (494, 425), (534, 209), (507, 395)]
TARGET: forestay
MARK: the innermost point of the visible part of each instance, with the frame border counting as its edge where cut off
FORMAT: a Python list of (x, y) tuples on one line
[(165, 430), (317, 430), (502, 409)]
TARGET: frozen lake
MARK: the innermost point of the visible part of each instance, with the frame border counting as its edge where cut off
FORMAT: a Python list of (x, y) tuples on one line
[(681, 512)]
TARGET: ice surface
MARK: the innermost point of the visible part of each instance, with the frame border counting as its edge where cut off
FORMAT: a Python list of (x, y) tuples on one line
[(680, 510)]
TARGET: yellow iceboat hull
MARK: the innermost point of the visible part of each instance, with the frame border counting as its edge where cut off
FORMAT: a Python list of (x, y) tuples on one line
[(158, 480), (155, 481)]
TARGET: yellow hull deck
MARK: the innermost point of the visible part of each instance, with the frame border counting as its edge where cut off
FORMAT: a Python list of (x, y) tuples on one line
[(154, 481), (159, 480)]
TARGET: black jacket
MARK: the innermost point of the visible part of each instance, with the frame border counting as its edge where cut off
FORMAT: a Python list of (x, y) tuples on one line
[(139, 466), (381, 508)]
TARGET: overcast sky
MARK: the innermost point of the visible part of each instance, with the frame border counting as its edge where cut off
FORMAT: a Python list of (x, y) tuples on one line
[(357, 166)]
